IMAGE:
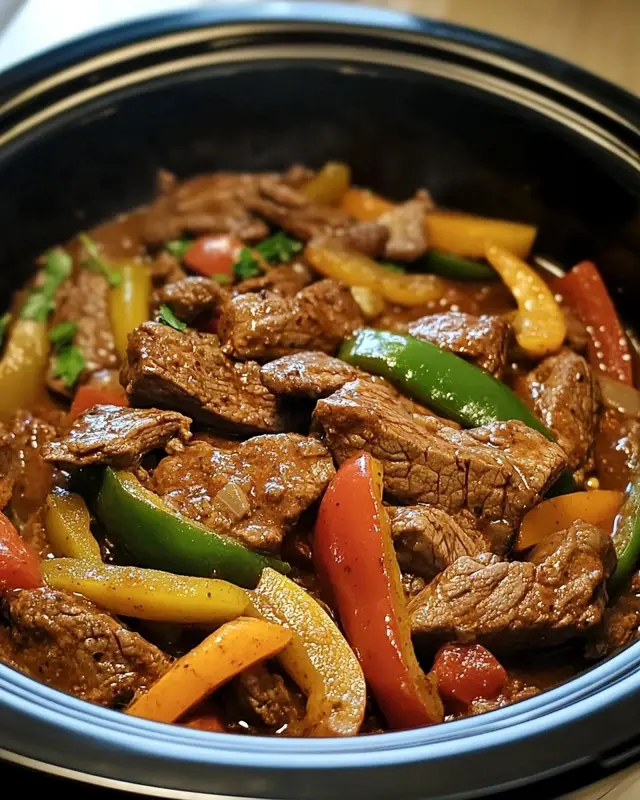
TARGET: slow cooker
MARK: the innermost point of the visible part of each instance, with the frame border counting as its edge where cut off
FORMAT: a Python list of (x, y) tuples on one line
[(489, 127)]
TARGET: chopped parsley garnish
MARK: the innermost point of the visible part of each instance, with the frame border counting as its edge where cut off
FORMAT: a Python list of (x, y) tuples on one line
[(178, 247), (5, 321), (69, 364), (246, 266), (63, 334), (41, 301), (392, 267), (279, 248), (167, 317), (96, 263)]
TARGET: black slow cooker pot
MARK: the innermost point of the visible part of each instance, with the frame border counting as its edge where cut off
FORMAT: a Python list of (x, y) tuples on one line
[(487, 126)]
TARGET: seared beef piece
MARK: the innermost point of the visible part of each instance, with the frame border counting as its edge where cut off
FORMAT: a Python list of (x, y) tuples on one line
[(165, 268), (309, 374), (65, 641), (84, 300), (620, 625), (497, 472), (286, 280), (116, 436), (268, 698), (258, 327), (427, 539), (483, 340), (188, 371), (564, 393), (407, 238), (557, 594), (190, 297), (279, 475), (412, 585), (305, 220)]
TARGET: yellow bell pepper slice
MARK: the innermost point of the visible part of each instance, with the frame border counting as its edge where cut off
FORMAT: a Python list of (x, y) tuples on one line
[(22, 366), (334, 261), (233, 648), (599, 507), (365, 205), (539, 325), (148, 593), (68, 527), (129, 303), (330, 184), (318, 658)]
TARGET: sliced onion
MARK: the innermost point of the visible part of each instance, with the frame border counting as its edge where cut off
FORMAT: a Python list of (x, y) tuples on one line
[(371, 304), (234, 500), (620, 396)]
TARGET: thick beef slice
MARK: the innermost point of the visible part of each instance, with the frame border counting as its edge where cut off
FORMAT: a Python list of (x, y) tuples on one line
[(188, 371), (280, 476), (497, 472), (84, 300), (407, 238), (116, 436), (427, 539), (564, 392), (64, 641), (483, 340), (190, 297), (287, 280), (558, 594), (620, 625), (269, 700), (165, 268), (308, 374), (258, 327)]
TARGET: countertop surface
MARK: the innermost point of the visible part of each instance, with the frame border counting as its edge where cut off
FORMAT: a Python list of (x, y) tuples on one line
[(599, 35)]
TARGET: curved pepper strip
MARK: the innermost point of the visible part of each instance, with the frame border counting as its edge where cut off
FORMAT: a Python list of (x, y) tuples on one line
[(330, 184), (233, 648), (22, 366), (353, 551), (318, 658), (539, 325), (156, 536), (129, 303), (19, 565), (68, 526), (148, 593), (626, 536)]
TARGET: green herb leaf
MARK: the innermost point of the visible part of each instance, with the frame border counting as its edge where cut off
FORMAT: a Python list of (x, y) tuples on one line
[(69, 364), (96, 263), (279, 248), (178, 247), (246, 266), (392, 267), (5, 321), (58, 265), (37, 306), (220, 277), (41, 300), (167, 317), (63, 334)]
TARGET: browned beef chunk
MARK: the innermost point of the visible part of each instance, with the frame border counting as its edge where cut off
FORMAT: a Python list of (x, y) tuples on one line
[(319, 317), (497, 472), (412, 584), (280, 476), (84, 300), (66, 642), (407, 238), (116, 436), (190, 297), (269, 700), (564, 393), (188, 371), (427, 539), (286, 280), (558, 594), (483, 340), (165, 268), (309, 374), (620, 625)]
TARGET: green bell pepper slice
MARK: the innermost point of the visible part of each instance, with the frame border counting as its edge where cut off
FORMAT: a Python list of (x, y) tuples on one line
[(626, 537), (157, 537), (457, 268)]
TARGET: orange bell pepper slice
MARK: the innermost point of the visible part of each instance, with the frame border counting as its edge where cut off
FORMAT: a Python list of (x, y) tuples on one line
[(88, 396), (353, 551), (234, 647), (330, 184), (599, 507)]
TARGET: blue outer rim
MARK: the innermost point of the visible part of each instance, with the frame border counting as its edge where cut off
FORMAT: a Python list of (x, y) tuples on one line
[(590, 715)]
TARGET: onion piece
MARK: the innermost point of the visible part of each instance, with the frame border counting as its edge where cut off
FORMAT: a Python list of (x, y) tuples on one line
[(234, 500), (620, 396)]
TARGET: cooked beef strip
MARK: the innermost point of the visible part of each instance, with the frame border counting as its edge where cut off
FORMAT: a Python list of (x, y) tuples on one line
[(84, 300), (483, 340), (497, 471), (280, 475), (258, 327), (188, 371), (287, 280), (564, 393), (557, 594), (165, 268), (268, 698), (427, 539), (69, 644), (116, 436), (310, 374), (407, 237), (190, 297), (620, 625)]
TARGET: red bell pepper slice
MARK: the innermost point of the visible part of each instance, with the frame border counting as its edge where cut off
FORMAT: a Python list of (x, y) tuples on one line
[(468, 672), (89, 396), (213, 255), (19, 565), (353, 552), (584, 292)]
